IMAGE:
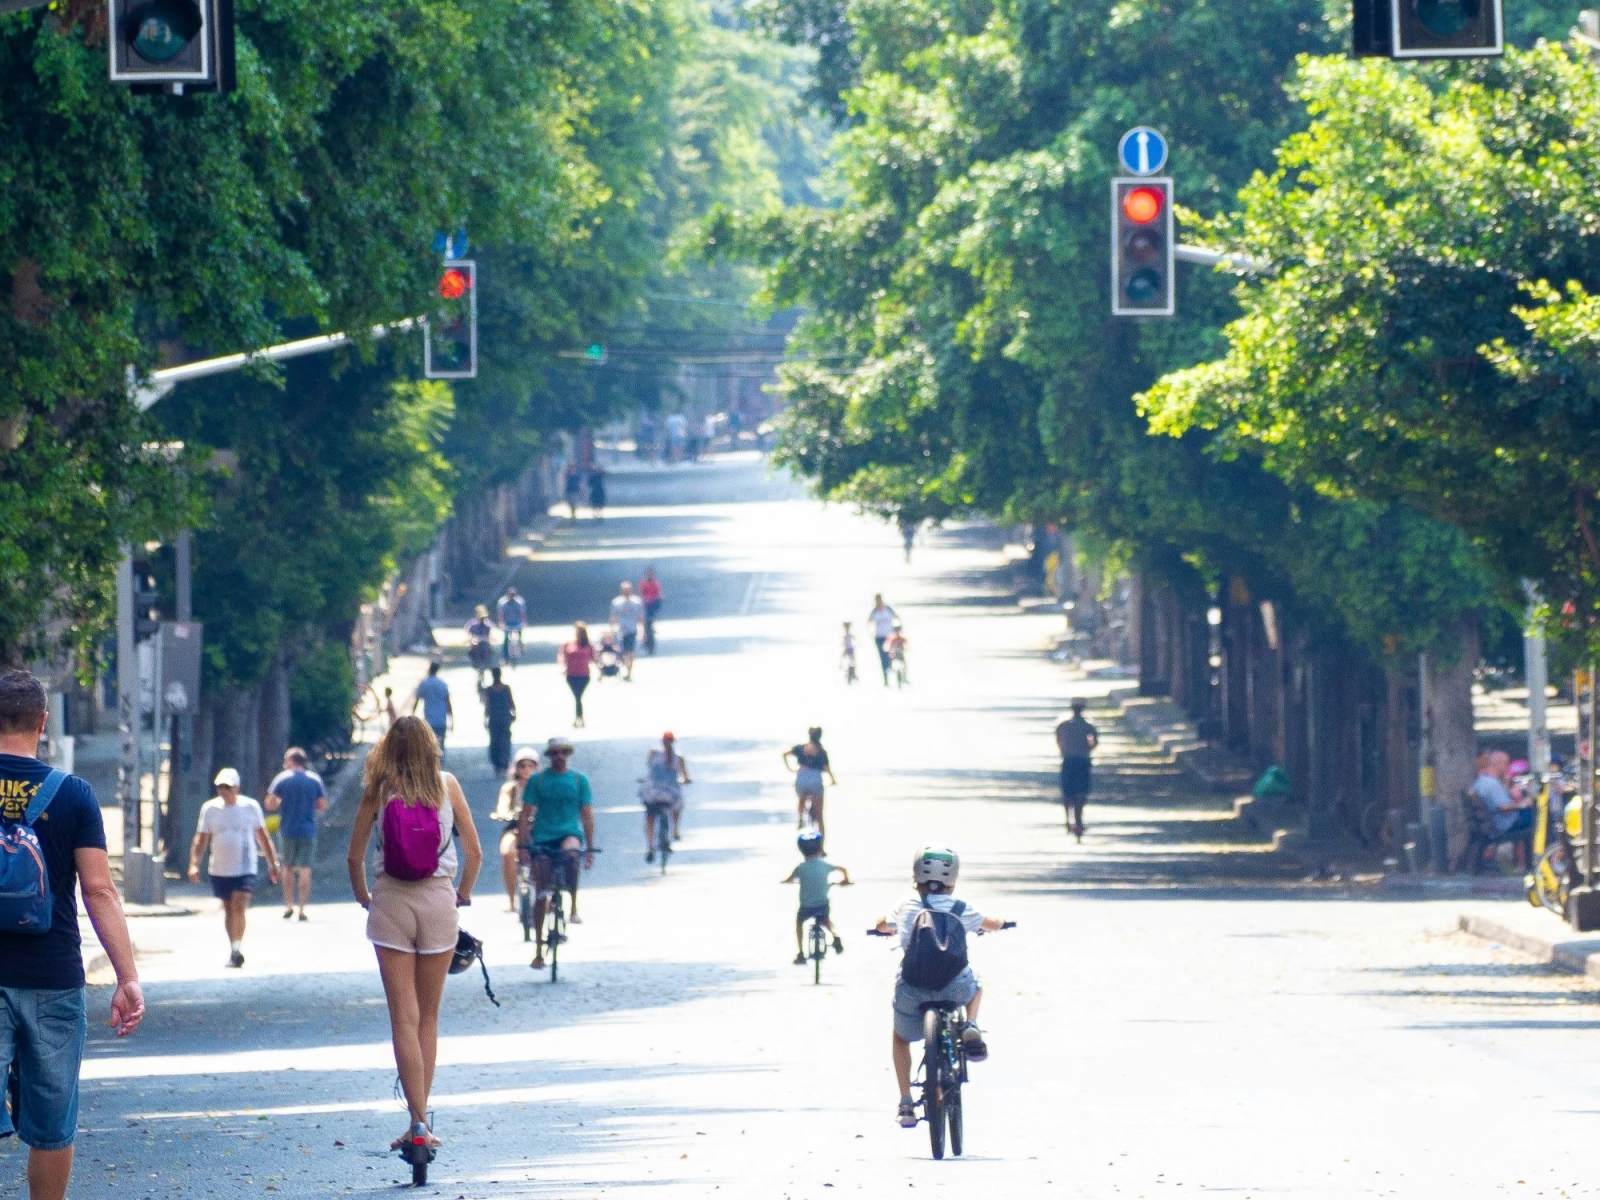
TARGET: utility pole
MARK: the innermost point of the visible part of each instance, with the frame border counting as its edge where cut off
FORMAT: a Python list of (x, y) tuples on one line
[(1536, 669)]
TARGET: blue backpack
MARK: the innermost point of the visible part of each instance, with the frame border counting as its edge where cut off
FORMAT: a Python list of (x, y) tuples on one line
[(25, 898)]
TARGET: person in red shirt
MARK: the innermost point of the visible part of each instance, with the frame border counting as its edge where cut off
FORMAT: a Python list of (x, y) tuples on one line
[(576, 660), (650, 593)]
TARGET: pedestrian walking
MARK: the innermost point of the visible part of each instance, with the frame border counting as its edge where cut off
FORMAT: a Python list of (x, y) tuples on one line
[(298, 797), (507, 808), (572, 487), (650, 596), (882, 618), (576, 660), (499, 713), (434, 696), (43, 1011), (597, 491), (233, 826), (410, 808), (1076, 739), (627, 614)]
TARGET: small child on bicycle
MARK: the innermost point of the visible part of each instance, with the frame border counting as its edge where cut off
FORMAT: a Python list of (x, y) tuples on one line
[(930, 954), (815, 876)]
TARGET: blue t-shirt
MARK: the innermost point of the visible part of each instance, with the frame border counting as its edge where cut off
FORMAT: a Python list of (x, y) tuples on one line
[(814, 878), (298, 792), (435, 697), (54, 959)]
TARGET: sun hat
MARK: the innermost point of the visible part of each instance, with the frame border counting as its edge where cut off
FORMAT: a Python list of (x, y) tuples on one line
[(526, 754), (559, 743)]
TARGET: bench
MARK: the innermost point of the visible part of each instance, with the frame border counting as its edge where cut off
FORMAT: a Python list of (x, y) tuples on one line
[(1481, 838)]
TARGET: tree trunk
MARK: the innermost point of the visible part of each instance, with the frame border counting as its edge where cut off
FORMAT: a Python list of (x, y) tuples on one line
[(273, 720), (1451, 664)]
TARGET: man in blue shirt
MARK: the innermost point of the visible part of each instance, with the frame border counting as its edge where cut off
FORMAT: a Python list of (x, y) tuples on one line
[(1506, 816), (434, 696), (43, 1018), (298, 797)]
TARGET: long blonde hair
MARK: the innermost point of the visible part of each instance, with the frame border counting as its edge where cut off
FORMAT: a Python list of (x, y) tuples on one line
[(405, 762)]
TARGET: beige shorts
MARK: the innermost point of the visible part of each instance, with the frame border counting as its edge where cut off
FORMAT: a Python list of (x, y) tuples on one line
[(417, 917)]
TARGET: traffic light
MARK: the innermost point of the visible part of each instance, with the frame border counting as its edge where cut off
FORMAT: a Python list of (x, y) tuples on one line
[(172, 45), (146, 601), (450, 337), (1427, 28), (1141, 247)]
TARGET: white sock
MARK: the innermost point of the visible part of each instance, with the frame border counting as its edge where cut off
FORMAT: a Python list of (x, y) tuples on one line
[(236, 946)]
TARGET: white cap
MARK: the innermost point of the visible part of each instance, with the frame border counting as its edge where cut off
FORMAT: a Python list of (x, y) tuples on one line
[(227, 777)]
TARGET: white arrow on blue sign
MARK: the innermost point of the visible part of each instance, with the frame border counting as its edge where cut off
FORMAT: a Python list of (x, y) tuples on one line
[(1142, 150)]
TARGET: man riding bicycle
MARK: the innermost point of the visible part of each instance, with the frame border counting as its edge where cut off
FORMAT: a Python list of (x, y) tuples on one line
[(513, 615), (479, 631), (556, 822)]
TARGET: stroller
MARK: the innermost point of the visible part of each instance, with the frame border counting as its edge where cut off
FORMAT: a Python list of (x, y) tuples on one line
[(609, 658)]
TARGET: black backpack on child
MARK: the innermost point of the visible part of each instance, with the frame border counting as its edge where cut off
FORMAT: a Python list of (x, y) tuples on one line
[(937, 950)]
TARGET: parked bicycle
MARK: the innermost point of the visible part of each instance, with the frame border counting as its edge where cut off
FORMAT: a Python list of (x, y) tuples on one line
[(1548, 880)]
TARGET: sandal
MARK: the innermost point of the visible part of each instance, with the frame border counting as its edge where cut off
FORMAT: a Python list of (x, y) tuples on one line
[(799, 960), (907, 1115)]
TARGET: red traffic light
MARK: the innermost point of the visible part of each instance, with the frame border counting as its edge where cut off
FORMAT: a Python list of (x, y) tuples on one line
[(1142, 205), (453, 284)]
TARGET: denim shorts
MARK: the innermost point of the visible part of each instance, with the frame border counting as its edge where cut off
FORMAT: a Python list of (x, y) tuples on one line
[(908, 1001), (43, 1030)]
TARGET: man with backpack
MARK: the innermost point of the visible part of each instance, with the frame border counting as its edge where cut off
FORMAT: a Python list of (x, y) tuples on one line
[(43, 1019), (933, 927)]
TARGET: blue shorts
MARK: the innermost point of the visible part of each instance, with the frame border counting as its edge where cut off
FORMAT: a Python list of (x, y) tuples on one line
[(223, 886), (810, 912), (630, 642), (42, 1030)]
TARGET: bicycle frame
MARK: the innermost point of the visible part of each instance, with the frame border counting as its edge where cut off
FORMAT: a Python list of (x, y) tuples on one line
[(944, 1070), (817, 936)]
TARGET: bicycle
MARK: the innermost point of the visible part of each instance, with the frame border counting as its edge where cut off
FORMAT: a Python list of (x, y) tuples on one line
[(808, 813), (366, 708), (1548, 879), (554, 936), (944, 1069), (511, 646), (659, 813), (817, 940), (899, 664)]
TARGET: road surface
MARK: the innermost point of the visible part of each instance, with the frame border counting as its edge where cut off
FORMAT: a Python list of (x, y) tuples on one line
[(1156, 1029)]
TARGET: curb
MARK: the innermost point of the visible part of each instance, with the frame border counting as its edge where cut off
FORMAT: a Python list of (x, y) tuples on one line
[(1580, 956)]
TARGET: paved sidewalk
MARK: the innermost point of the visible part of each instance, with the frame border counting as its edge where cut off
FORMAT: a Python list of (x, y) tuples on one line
[(1536, 932)]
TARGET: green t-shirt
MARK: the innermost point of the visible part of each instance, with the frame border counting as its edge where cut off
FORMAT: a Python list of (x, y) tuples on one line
[(813, 876), (557, 799)]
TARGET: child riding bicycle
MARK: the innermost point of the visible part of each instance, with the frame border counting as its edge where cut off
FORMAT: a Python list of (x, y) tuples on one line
[(933, 926), (815, 876)]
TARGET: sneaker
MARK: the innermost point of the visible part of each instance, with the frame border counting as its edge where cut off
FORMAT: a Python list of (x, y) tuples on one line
[(906, 1114), (288, 913), (799, 960), (574, 919), (972, 1042), (303, 917), (236, 959), (838, 946), (650, 856)]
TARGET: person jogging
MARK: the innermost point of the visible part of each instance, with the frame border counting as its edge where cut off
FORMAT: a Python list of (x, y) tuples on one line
[(43, 1009), (1076, 739)]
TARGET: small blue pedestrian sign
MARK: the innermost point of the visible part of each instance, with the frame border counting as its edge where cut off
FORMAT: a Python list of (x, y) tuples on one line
[(1142, 151)]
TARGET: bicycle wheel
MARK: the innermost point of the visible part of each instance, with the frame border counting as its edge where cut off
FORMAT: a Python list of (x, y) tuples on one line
[(933, 1080), (525, 908), (557, 935), (952, 1118), (419, 1172), (819, 950), (1549, 882), (663, 837)]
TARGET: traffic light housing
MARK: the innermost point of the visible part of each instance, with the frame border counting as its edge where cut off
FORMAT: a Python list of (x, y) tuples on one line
[(172, 45), (450, 337), (1142, 245), (146, 601), (1427, 28)]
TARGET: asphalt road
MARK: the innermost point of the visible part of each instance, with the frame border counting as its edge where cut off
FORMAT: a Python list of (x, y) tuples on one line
[(1176, 1011)]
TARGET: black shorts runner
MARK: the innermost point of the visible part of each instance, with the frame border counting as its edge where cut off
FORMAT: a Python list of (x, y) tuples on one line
[(1075, 778)]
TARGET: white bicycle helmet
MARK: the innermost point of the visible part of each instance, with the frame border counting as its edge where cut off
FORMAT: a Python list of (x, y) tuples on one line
[(936, 864)]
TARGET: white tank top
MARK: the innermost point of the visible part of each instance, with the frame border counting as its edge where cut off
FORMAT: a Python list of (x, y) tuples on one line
[(447, 827)]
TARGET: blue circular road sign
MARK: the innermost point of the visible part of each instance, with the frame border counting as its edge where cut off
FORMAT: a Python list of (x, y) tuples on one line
[(1142, 151)]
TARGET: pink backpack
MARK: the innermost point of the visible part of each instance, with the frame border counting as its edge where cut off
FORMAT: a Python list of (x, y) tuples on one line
[(411, 839)]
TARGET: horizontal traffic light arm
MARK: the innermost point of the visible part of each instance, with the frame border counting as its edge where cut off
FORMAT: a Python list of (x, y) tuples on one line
[(1228, 260), (163, 381)]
